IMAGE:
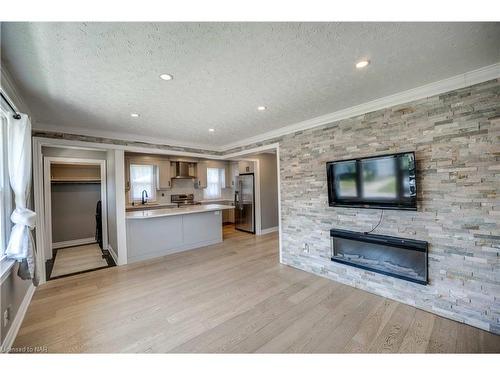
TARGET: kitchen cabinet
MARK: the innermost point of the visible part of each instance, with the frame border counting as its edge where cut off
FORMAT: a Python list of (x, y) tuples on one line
[(163, 175), (233, 169), (228, 216), (201, 174)]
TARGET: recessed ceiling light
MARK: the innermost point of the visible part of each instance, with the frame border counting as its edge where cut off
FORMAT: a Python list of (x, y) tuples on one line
[(135, 115), (166, 77), (261, 108), (363, 63), (211, 130)]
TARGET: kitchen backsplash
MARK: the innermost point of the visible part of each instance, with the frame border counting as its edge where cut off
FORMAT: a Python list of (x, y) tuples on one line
[(187, 187)]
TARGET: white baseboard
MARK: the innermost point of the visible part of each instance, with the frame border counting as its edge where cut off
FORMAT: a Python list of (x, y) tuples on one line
[(112, 252), (268, 230), (18, 320), (81, 241)]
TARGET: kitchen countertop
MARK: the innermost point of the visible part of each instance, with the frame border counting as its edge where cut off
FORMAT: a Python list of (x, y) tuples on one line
[(146, 214), (148, 206), (207, 201)]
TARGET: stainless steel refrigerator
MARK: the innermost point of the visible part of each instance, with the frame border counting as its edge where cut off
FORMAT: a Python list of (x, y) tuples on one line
[(244, 203)]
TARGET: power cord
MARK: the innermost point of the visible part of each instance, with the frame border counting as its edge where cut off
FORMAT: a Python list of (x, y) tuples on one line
[(379, 221)]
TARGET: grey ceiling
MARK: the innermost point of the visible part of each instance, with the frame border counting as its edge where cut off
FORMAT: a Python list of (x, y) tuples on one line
[(93, 75)]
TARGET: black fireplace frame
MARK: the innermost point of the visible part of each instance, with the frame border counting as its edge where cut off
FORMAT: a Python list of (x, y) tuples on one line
[(377, 239)]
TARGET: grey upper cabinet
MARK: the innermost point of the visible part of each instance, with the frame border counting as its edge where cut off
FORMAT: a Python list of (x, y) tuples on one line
[(233, 169), (201, 174), (163, 175)]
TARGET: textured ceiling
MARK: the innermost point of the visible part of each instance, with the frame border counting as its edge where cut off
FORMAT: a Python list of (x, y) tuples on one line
[(93, 75)]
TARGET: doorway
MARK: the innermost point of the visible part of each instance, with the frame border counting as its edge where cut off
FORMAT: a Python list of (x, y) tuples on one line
[(76, 216), (261, 169)]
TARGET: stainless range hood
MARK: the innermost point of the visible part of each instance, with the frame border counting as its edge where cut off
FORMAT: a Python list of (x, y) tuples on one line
[(182, 170)]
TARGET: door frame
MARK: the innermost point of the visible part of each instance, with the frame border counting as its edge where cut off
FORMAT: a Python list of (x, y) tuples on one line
[(241, 156), (47, 195), (40, 141)]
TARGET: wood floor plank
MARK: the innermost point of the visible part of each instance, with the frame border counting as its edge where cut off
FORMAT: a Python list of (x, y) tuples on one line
[(243, 325), (340, 328), (443, 337), (371, 327), (292, 339), (418, 335), (232, 297), (391, 337)]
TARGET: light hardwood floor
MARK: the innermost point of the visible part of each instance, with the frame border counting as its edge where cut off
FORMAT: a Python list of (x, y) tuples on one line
[(77, 259), (231, 297)]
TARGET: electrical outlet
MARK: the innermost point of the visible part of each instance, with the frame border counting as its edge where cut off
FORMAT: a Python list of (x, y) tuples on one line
[(6, 316)]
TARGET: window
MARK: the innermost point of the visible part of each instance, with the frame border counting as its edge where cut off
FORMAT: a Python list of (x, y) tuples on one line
[(215, 183), (142, 177)]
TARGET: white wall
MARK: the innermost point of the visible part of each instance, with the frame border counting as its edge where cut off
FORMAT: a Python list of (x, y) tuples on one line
[(111, 200), (268, 190), (73, 153)]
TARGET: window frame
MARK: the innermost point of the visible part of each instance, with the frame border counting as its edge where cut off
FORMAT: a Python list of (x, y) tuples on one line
[(5, 189), (220, 182), (154, 181)]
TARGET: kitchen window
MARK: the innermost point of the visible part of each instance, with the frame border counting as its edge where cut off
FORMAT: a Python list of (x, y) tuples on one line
[(215, 182), (142, 177)]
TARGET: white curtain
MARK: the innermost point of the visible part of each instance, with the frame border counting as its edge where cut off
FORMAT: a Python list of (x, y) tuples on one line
[(215, 182), (21, 246)]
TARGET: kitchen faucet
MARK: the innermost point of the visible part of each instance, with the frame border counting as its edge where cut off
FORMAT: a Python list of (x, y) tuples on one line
[(144, 200)]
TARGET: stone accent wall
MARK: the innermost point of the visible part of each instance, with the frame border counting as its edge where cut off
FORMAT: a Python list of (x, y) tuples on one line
[(456, 137)]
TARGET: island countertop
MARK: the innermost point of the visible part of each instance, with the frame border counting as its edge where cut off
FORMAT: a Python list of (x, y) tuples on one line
[(160, 212)]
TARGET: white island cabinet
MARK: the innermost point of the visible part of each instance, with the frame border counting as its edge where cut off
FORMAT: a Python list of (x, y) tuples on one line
[(155, 233)]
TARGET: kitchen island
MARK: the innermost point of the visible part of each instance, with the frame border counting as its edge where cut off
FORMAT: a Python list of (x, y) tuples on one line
[(159, 232)]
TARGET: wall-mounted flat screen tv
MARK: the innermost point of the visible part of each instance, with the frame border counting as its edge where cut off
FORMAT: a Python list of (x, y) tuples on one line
[(386, 181)]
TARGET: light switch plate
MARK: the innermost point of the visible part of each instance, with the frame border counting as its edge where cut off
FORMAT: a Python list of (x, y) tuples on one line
[(6, 316)]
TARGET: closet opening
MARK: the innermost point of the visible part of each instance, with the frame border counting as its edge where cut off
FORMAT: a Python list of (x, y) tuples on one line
[(76, 216)]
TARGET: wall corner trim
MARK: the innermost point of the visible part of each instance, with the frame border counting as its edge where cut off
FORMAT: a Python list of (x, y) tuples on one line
[(18, 320), (269, 230), (113, 254)]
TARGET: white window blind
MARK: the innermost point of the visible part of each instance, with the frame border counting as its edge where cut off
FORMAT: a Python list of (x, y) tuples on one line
[(142, 177), (215, 182)]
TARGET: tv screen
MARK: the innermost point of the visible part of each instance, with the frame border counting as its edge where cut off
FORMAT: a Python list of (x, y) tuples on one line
[(386, 181)]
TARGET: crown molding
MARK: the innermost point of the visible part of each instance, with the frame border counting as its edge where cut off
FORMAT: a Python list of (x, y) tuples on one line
[(432, 89), (439, 87)]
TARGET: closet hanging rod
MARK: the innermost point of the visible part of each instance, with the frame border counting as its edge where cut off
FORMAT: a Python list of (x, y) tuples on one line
[(16, 115)]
